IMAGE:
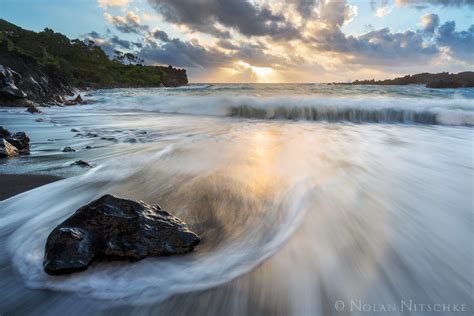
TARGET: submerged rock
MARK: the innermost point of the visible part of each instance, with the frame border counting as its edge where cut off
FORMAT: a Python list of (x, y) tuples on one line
[(7, 149), (115, 228)]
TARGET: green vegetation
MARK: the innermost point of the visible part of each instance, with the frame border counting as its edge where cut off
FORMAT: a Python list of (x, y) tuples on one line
[(85, 64)]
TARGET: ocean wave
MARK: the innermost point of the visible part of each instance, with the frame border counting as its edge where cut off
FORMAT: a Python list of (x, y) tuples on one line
[(449, 111)]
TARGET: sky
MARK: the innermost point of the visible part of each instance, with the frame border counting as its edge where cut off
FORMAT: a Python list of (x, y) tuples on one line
[(268, 41)]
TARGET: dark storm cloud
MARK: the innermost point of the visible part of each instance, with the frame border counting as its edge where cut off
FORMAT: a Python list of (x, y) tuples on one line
[(378, 47), (192, 54), (183, 54), (160, 35), (240, 15), (120, 42), (460, 44)]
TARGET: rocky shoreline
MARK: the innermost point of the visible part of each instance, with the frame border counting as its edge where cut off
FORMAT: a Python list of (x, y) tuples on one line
[(45, 68), (443, 80)]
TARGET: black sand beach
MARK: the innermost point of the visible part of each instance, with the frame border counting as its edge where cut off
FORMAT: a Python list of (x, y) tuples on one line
[(13, 184)]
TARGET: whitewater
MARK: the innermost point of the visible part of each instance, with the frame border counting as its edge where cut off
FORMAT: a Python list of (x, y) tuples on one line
[(305, 196)]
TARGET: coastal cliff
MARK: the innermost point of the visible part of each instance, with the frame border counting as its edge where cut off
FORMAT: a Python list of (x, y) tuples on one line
[(438, 81), (44, 67)]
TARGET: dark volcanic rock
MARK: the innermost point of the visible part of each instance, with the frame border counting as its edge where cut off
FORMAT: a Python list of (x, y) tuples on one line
[(20, 140), (68, 149), (449, 85), (4, 133), (32, 109), (115, 228), (39, 83), (7, 149), (82, 163), (440, 80), (8, 89), (77, 100)]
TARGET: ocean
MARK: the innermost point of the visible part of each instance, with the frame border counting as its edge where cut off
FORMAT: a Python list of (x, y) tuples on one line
[(310, 199)]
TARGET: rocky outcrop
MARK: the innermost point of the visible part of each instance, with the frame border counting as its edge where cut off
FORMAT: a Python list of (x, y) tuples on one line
[(13, 144), (174, 77), (450, 84), (26, 82), (439, 80), (45, 67), (8, 89), (115, 228)]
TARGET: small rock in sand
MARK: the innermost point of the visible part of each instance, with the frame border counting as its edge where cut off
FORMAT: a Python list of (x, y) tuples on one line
[(82, 163), (68, 149)]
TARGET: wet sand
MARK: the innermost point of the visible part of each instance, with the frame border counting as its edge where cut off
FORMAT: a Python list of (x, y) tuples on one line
[(13, 184)]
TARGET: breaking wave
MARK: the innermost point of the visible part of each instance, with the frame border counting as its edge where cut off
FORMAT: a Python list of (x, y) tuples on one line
[(449, 111)]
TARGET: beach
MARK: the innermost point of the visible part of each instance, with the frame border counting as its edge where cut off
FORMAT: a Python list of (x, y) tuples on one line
[(303, 195), (13, 184)]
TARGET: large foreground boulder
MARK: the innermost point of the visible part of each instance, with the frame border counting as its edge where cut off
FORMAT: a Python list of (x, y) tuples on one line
[(115, 228)]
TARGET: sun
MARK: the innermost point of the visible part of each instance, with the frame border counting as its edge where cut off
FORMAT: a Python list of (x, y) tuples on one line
[(264, 74)]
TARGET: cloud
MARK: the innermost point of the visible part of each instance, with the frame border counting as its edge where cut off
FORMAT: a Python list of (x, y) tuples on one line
[(226, 44), (422, 4), (379, 47), (160, 35), (103, 43), (336, 12), (306, 8), (110, 43), (121, 42), (460, 44), (183, 54), (130, 23), (430, 22), (381, 8), (113, 3), (284, 35), (240, 15)]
